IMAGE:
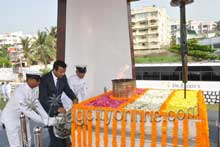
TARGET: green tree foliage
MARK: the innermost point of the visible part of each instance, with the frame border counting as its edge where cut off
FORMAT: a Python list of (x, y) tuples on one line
[(217, 28), (197, 51), (43, 48), (4, 57), (28, 51)]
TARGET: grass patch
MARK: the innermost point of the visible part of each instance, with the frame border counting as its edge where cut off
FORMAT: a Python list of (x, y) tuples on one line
[(158, 59), (214, 107)]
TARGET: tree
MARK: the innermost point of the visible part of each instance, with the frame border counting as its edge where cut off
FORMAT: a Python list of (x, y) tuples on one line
[(52, 32), (196, 50), (44, 48), (217, 28), (28, 51), (4, 57)]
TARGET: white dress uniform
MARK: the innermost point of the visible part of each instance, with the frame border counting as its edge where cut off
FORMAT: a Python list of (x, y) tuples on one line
[(8, 90), (21, 100), (79, 87)]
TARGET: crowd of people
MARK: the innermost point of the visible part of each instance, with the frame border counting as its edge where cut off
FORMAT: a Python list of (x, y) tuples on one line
[(35, 97)]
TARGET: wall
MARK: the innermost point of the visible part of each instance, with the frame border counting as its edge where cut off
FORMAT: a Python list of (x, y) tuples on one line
[(97, 35)]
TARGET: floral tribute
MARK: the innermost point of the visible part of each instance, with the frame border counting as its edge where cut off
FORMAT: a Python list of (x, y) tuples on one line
[(151, 100), (95, 129), (108, 101), (177, 102)]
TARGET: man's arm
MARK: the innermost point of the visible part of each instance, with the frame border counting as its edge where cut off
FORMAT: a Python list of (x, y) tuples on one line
[(69, 91)]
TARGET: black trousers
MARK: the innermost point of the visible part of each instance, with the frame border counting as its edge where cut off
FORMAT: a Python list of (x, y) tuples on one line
[(57, 142)]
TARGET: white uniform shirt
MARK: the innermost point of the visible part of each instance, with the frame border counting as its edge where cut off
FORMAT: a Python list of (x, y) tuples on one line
[(21, 101), (23, 96), (79, 87)]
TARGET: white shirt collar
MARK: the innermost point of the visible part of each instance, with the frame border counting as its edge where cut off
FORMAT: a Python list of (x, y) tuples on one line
[(54, 78)]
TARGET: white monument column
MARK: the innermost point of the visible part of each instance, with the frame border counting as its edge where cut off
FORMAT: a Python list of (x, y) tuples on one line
[(97, 34)]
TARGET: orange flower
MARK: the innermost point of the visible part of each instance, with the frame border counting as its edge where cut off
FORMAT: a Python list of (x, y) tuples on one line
[(185, 132), (123, 130), (79, 131), (106, 128), (175, 132), (84, 129), (73, 127), (164, 132), (142, 128), (114, 130), (154, 133), (97, 129), (89, 129), (133, 129)]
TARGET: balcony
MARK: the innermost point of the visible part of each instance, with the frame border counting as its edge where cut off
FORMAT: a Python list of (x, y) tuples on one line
[(139, 47), (139, 33), (138, 19), (139, 27)]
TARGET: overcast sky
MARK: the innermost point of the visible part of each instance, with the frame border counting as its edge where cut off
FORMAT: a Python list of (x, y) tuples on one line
[(30, 16)]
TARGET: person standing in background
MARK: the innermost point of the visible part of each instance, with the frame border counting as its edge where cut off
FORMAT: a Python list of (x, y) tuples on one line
[(3, 87), (79, 86), (8, 90)]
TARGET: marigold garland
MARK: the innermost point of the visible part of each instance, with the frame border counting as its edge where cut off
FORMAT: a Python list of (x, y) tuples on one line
[(79, 130), (142, 128), (97, 129), (123, 130), (73, 127), (106, 128), (202, 133), (185, 132), (89, 129), (154, 133), (133, 129), (175, 132), (84, 129), (114, 130), (199, 135), (164, 132)]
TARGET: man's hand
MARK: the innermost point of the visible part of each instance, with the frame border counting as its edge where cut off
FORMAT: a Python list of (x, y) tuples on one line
[(61, 110), (75, 101)]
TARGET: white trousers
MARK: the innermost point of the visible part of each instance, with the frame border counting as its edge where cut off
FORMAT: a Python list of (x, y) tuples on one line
[(13, 132)]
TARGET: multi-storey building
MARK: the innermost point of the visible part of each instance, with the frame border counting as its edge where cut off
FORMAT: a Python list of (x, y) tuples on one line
[(201, 27), (151, 30), (13, 39)]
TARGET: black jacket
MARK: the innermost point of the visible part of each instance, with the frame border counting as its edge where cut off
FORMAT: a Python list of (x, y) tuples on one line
[(48, 89)]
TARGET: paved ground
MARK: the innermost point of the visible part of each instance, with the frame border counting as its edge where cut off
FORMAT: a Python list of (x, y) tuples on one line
[(213, 130)]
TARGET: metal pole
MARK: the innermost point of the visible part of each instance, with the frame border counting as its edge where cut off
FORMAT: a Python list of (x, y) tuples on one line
[(24, 135), (38, 137), (184, 48), (219, 121)]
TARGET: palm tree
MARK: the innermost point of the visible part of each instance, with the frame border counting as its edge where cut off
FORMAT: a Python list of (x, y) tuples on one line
[(217, 27), (44, 48), (52, 32), (27, 50)]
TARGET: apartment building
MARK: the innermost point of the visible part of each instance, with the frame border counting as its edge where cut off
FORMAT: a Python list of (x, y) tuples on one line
[(201, 27), (151, 30), (13, 39)]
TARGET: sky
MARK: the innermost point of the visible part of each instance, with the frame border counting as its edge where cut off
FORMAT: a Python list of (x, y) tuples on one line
[(31, 16), (28, 16)]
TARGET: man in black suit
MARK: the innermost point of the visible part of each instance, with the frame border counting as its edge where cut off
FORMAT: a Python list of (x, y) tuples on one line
[(52, 85)]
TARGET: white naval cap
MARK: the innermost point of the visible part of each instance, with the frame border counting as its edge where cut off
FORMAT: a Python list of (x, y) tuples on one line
[(33, 74), (81, 68)]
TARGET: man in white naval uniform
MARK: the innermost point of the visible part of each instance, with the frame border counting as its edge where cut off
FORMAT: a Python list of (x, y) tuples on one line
[(24, 100), (79, 86)]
